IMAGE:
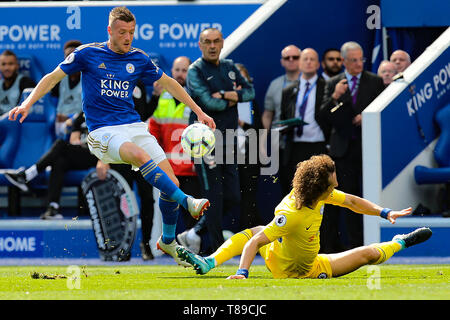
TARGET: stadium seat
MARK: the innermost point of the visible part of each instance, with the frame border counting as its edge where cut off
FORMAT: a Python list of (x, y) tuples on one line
[(441, 174), (30, 67), (22, 144), (37, 133), (9, 135), (425, 175)]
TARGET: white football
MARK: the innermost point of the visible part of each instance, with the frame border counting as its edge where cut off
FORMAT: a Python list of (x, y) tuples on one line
[(198, 140)]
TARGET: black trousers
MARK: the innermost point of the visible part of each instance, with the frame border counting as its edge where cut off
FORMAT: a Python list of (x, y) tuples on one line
[(248, 178), (62, 157), (220, 184), (341, 228)]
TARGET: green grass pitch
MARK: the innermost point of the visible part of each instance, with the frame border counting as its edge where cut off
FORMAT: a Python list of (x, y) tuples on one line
[(150, 282)]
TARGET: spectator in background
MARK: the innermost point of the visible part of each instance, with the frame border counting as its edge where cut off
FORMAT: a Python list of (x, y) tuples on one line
[(169, 120), (302, 99), (12, 83), (346, 96), (290, 58), (331, 63), (247, 145), (68, 92), (386, 71), (216, 85), (401, 59)]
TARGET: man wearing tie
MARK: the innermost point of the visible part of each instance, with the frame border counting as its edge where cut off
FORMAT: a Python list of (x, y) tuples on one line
[(302, 99), (346, 96)]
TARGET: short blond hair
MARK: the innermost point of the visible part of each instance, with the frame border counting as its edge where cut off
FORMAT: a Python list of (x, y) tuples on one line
[(120, 13)]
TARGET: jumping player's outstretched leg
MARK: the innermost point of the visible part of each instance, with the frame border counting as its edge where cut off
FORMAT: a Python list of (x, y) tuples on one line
[(162, 177), (351, 260)]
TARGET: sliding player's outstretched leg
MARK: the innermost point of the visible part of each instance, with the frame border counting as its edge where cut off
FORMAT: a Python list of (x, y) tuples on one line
[(202, 265), (400, 242), (229, 249), (377, 253), (417, 236)]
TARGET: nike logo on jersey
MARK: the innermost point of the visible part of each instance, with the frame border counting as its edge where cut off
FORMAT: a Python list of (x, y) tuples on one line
[(209, 78), (307, 228)]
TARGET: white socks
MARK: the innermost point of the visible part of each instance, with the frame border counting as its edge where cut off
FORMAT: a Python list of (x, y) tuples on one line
[(192, 236)]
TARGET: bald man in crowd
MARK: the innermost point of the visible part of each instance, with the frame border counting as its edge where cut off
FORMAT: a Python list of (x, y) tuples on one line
[(290, 57), (386, 71), (401, 59)]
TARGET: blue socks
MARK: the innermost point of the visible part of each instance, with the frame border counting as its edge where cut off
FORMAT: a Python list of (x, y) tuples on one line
[(170, 198), (169, 210), (160, 180)]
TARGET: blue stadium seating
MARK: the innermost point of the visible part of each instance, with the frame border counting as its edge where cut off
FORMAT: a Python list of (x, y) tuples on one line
[(424, 175), (22, 144), (37, 133), (9, 135)]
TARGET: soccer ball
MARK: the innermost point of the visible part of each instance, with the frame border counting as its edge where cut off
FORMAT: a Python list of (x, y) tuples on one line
[(198, 140)]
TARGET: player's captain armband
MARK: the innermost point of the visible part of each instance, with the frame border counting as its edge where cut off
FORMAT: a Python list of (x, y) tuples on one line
[(336, 197)]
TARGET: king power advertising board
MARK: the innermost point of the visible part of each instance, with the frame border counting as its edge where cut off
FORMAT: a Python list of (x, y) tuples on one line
[(165, 31)]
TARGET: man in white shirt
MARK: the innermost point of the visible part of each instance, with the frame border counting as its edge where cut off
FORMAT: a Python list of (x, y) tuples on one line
[(302, 100)]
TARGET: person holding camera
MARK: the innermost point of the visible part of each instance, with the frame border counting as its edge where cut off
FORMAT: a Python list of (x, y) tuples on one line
[(345, 97)]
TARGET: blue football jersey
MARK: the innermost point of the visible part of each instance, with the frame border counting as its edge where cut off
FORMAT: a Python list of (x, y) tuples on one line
[(108, 80)]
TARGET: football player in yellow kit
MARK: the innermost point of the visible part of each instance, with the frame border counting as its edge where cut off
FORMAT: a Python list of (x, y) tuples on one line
[(290, 243)]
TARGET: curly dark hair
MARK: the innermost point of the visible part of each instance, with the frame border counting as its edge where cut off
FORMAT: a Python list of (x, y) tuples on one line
[(312, 179)]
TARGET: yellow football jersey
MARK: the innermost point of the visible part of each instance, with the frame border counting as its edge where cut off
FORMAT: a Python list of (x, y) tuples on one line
[(294, 236)]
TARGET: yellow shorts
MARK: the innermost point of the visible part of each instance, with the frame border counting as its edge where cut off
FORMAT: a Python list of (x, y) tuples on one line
[(321, 267)]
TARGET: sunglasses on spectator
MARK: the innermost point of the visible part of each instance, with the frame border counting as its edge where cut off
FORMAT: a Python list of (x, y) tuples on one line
[(291, 57)]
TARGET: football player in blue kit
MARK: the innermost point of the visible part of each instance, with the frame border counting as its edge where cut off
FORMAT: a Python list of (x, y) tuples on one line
[(110, 71)]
